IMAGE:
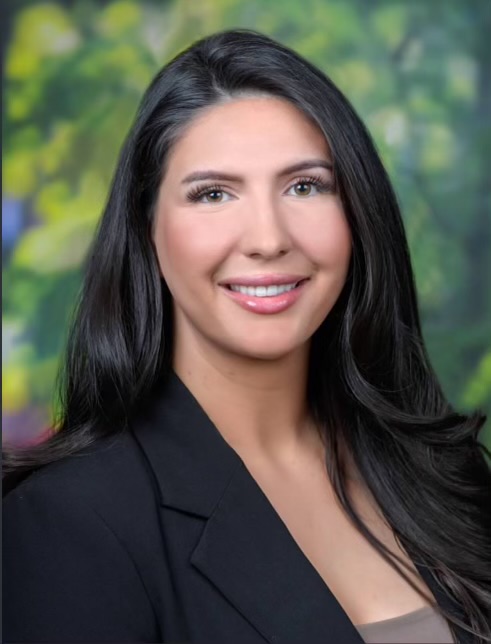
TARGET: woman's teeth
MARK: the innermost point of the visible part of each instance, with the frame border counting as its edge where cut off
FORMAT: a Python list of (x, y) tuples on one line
[(263, 291)]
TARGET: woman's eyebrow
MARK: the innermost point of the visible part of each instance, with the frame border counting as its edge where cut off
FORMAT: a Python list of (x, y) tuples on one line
[(203, 175)]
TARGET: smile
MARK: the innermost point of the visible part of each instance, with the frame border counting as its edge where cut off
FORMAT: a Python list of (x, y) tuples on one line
[(266, 300), (263, 291)]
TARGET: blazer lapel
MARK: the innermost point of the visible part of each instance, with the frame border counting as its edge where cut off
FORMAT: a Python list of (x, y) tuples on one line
[(245, 549), (249, 554)]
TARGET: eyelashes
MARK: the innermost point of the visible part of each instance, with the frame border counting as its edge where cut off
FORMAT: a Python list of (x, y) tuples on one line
[(322, 186), (196, 193)]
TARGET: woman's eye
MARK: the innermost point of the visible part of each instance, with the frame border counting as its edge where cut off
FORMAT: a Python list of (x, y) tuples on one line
[(305, 188), (214, 196), (302, 188), (208, 195)]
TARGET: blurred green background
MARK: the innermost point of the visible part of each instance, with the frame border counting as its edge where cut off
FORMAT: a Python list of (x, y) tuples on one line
[(418, 72)]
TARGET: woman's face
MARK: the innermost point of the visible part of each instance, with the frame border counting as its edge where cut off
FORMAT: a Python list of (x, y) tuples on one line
[(233, 208)]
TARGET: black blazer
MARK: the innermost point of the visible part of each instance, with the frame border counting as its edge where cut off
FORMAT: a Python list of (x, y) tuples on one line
[(161, 535)]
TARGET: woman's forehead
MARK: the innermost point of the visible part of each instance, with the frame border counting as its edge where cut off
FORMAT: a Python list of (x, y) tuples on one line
[(250, 132)]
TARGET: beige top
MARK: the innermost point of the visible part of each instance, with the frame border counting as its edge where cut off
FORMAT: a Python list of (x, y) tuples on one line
[(422, 625)]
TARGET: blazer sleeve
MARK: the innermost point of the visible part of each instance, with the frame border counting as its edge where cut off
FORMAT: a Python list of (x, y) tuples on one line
[(67, 576)]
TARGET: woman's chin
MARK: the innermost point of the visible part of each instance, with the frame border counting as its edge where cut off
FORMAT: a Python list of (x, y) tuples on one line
[(266, 350)]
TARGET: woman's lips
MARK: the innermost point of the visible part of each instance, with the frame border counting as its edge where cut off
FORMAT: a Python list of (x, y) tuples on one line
[(266, 279), (267, 305)]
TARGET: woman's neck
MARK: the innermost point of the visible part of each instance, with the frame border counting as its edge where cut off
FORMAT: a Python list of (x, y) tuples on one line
[(259, 406)]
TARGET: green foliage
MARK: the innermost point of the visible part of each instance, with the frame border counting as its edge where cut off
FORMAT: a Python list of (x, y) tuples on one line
[(417, 72)]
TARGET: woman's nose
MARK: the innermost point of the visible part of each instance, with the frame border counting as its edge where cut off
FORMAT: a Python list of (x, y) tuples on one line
[(265, 233)]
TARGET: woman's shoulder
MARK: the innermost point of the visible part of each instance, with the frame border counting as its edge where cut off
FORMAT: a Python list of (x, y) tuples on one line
[(73, 532), (105, 476)]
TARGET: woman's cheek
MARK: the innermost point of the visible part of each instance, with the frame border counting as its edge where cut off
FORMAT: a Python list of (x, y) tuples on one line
[(328, 245), (196, 248)]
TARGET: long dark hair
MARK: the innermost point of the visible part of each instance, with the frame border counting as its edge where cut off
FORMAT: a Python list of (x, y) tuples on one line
[(370, 386)]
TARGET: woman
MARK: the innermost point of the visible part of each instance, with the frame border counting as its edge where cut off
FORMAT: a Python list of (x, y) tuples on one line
[(253, 444)]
